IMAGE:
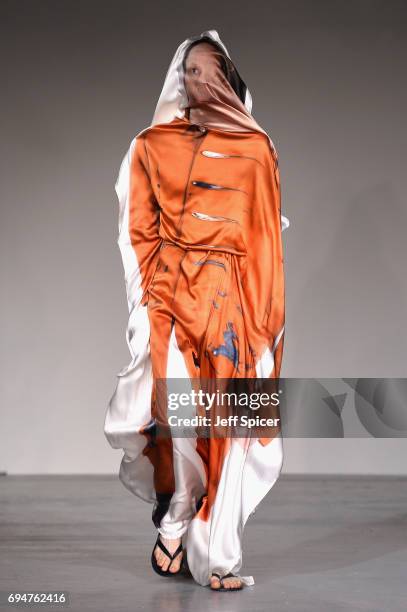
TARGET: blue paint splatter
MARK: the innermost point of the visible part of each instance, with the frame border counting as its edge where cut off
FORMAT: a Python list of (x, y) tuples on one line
[(229, 349)]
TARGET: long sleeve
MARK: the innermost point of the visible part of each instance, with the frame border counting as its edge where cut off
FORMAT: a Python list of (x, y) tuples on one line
[(144, 216), (263, 275), (139, 220)]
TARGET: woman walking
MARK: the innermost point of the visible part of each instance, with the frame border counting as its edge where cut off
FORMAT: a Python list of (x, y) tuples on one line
[(200, 229)]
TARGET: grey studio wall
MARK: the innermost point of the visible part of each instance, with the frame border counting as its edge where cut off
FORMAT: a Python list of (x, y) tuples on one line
[(80, 79)]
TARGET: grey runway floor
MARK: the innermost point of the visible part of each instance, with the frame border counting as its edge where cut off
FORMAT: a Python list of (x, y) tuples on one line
[(315, 544)]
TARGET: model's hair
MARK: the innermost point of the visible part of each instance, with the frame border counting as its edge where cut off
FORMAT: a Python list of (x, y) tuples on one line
[(227, 66)]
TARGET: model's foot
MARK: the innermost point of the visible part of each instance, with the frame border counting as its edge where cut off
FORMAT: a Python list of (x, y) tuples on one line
[(233, 582), (162, 559)]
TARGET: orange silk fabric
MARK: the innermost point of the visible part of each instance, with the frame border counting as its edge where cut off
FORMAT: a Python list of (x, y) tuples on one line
[(215, 192)]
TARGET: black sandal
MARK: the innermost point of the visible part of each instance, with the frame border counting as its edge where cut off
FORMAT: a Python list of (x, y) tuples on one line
[(223, 588), (154, 563)]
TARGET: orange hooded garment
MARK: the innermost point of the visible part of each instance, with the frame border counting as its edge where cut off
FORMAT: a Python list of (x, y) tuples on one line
[(200, 232)]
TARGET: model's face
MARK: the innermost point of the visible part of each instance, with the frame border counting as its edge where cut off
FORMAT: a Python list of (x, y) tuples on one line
[(202, 66)]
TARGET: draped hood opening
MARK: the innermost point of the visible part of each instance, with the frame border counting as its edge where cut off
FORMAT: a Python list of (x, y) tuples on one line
[(203, 85), (203, 80)]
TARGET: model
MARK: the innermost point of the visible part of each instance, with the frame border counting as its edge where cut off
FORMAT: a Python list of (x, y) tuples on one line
[(200, 234)]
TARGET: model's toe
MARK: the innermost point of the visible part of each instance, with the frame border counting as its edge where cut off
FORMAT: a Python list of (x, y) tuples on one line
[(215, 583), (165, 564), (175, 565), (162, 560)]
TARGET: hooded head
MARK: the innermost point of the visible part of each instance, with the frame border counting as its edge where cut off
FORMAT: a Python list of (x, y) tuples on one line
[(203, 85), (205, 62)]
